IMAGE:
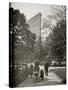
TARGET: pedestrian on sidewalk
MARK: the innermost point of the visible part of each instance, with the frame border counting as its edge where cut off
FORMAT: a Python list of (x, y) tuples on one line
[(36, 70), (31, 70), (46, 66)]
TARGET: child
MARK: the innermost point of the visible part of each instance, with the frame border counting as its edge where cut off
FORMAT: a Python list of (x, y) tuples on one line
[(41, 74)]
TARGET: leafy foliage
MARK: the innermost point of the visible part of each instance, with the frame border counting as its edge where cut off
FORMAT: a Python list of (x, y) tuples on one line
[(23, 39), (55, 43)]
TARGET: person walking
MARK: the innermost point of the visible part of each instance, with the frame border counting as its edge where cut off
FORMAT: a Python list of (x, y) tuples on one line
[(46, 66), (31, 70), (36, 70)]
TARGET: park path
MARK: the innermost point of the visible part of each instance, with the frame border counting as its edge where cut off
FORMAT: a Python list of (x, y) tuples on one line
[(52, 79)]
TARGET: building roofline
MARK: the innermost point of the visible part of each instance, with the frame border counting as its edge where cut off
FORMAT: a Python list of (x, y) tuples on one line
[(34, 17)]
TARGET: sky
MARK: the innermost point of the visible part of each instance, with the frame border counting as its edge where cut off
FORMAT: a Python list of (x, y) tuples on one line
[(31, 10)]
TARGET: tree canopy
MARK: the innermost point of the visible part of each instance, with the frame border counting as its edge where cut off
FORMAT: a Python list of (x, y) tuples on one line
[(22, 38), (55, 43)]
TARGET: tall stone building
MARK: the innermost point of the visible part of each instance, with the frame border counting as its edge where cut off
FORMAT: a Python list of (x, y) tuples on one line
[(35, 25)]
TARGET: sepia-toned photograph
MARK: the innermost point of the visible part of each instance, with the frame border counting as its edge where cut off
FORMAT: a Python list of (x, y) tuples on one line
[(37, 44)]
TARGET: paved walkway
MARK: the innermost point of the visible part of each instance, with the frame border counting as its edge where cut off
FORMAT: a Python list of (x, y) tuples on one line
[(52, 79)]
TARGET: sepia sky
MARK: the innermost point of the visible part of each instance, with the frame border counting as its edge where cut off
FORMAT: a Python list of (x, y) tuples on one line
[(31, 10)]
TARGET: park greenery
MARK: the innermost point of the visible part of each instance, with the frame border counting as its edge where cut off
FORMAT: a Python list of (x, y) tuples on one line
[(55, 43), (25, 46), (22, 38)]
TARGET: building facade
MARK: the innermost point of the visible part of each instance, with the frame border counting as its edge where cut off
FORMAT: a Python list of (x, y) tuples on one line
[(35, 25)]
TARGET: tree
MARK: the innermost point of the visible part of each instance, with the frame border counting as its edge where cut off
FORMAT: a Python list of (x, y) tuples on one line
[(22, 38), (55, 43), (58, 44), (21, 41)]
